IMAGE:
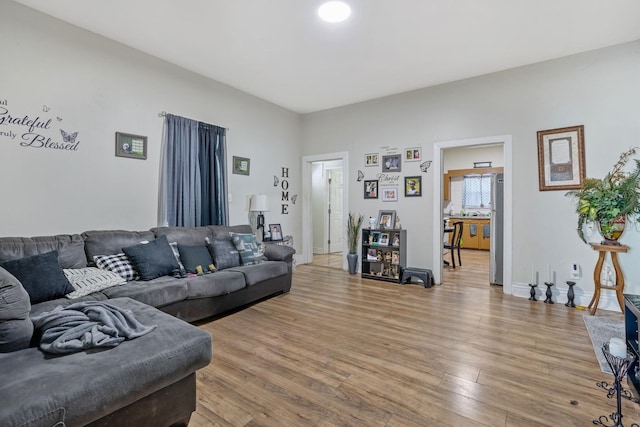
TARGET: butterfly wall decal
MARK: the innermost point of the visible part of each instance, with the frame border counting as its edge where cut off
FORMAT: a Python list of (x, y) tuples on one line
[(424, 166), (360, 175), (68, 137), (294, 198), (45, 108), (59, 118), (276, 181)]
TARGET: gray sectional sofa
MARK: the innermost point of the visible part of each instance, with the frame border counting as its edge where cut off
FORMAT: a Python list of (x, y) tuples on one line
[(150, 380)]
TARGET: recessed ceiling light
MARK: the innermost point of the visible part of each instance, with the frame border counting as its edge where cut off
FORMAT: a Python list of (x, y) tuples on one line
[(334, 11)]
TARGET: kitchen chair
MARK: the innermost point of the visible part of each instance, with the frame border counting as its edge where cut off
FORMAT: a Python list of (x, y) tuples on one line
[(454, 243)]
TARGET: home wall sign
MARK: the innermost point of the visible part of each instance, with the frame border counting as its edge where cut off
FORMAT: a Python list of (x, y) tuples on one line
[(35, 130), (284, 185)]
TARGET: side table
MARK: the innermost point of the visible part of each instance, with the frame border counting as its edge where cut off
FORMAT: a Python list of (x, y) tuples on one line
[(612, 250)]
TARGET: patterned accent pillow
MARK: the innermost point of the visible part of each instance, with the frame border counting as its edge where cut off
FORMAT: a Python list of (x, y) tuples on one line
[(224, 253), (119, 264), (247, 246), (90, 279)]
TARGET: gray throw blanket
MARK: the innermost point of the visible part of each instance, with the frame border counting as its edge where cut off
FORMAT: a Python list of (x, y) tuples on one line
[(84, 325)]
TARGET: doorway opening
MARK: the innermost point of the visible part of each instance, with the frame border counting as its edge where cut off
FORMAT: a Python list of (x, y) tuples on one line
[(440, 149), (327, 186), (324, 212)]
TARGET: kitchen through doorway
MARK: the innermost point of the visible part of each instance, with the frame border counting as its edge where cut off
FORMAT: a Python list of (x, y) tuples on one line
[(327, 187), (469, 178)]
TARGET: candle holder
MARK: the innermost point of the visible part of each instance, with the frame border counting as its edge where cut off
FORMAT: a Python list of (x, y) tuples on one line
[(532, 292), (619, 366), (549, 294), (570, 295)]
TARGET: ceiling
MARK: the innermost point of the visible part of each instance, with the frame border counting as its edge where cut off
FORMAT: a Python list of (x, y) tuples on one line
[(279, 51)]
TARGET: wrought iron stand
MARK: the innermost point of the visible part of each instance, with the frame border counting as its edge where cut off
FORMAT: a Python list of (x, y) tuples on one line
[(532, 292), (619, 367)]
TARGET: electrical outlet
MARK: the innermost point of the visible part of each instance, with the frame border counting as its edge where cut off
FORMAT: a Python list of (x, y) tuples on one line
[(575, 271)]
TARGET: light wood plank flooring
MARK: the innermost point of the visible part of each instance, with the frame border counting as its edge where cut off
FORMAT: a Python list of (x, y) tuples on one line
[(340, 350)]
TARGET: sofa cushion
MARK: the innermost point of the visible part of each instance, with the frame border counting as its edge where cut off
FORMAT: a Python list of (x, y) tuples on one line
[(91, 384), (260, 272), (118, 264), (194, 256), (152, 260), (90, 279), (110, 242), (70, 248), (212, 285), (224, 253), (40, 275), (156, 293), (222, 231), (247, 246), (16, 328)]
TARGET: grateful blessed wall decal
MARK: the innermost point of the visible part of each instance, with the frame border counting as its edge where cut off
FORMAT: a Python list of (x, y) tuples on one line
[(35, 130)]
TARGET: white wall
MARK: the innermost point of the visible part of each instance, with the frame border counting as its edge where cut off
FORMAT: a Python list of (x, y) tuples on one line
[(599, 90), (98, 87)]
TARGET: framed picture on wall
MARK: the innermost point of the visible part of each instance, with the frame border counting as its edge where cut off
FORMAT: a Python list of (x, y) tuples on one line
[(391, 163), (390, 194), (371, 189), (412, 186), (241, 165), (132, 146), (372, 159), (561, 158), (413, 154)]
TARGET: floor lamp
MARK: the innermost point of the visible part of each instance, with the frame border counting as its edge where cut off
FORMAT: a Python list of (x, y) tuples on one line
[(259, 203)]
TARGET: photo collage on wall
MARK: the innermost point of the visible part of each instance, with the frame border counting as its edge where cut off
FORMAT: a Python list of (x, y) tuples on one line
[(387, 186)]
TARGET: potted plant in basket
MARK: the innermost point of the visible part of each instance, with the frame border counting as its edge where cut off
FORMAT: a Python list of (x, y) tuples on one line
[(354, 225), (610, 201)]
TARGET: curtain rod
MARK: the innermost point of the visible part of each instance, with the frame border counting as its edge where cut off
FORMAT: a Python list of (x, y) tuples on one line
[(164, 114)]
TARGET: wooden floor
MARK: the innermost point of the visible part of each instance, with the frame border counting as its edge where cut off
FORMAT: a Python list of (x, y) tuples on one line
[(340, 350)]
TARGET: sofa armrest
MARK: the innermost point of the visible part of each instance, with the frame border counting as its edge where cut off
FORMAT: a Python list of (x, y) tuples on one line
[(279, 252)]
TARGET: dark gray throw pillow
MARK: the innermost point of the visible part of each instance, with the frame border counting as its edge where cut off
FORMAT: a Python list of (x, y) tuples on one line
[(40, 275), (16, 328), (193, 256), (224, 253), (153, 259)]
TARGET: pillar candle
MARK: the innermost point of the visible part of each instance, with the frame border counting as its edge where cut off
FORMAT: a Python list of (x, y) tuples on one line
[(618, 348), (533, 275)]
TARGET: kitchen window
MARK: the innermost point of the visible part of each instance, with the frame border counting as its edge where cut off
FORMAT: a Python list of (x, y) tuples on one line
[(476, 191)]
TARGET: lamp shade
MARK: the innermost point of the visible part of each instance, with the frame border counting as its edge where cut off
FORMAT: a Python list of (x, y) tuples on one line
[(259, 203)]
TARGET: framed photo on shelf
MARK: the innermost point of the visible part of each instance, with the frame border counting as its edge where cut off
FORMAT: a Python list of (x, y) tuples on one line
[(372, 159), (371, 189), (412, 186), (413, 154), (276, 232), (391, 163), (372, 254), (384, 239), (386, 219), (132, 146), (561, 158), (390, 194), (395, 240), (241, 165), (375, 238)]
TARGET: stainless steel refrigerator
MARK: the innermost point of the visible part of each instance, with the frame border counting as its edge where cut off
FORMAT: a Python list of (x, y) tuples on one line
[(496, 229)]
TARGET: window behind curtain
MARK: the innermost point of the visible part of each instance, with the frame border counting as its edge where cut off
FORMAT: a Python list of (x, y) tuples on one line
[(476, 191)]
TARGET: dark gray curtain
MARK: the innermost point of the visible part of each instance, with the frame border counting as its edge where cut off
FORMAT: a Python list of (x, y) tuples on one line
[(212, 144), (192, 174)]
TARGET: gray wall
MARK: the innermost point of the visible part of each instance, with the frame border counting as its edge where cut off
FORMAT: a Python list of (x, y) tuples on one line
[(599, 90), (99, 87)]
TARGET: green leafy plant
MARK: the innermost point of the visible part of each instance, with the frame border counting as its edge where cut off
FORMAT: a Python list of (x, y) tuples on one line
[(354, 225), (604, 201)]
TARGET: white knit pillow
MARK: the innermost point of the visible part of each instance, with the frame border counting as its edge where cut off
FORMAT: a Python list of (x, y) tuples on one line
[(90, 279)]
